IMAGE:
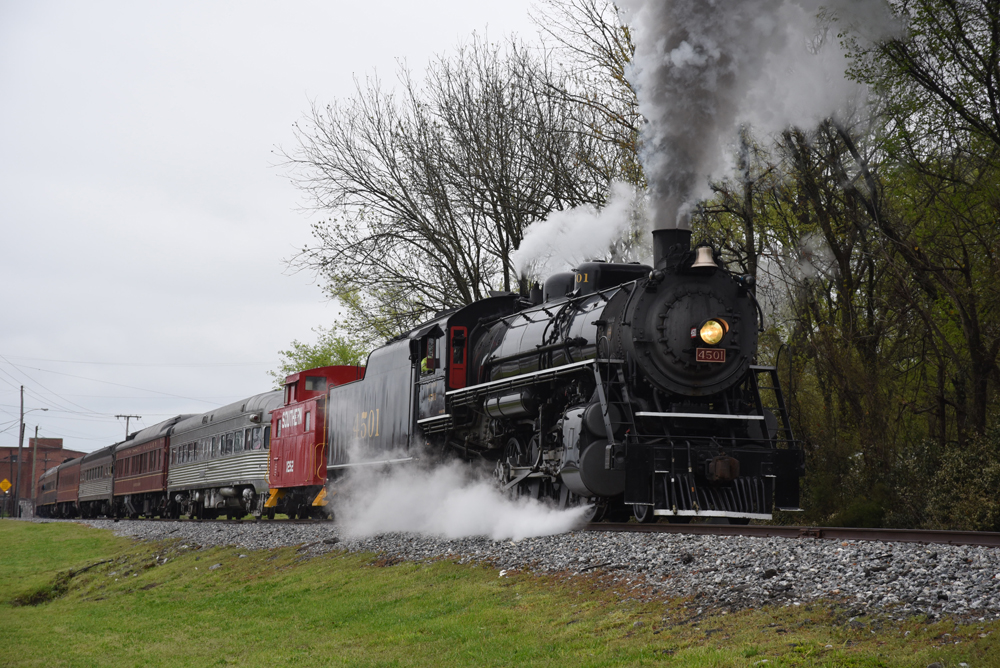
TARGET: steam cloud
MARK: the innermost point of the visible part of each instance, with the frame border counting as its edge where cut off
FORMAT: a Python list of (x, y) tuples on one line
[(447, 500), (569, 237), (704, 67)]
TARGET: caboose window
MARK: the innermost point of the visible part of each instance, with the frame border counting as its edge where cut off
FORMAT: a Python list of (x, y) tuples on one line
[(308, 421), (315, 383)]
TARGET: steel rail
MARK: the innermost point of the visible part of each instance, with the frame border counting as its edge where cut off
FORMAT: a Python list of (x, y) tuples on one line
[(930, 537)]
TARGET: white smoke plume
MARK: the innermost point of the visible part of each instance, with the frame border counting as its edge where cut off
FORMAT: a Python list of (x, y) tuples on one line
[(569, 237), (448, 500), (702, 68), (814, 257)]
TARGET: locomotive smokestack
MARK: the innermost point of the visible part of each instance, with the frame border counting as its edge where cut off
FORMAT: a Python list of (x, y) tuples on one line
[(669, 246)]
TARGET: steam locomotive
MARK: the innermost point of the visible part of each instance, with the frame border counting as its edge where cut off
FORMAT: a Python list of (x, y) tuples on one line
[(629, 389)]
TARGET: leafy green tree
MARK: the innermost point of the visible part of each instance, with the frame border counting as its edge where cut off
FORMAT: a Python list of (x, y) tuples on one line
[(895, 331), (330, 349), (941, 137)]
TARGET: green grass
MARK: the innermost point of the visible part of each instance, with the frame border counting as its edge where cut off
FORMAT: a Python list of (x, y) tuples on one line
[(281, 608)]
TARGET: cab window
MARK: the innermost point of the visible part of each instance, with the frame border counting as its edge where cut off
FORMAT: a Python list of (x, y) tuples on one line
[(315, 383), (429, 360)]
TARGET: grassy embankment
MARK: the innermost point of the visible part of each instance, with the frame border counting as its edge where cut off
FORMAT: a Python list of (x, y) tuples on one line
[(281, 608)]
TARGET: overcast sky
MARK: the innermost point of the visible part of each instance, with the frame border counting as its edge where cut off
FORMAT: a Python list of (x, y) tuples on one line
[(145, 224)]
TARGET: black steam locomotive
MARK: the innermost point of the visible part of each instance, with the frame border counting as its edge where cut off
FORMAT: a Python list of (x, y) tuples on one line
[(627, 387)]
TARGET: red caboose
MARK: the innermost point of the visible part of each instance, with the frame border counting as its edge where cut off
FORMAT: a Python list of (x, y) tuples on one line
[(297, 463)]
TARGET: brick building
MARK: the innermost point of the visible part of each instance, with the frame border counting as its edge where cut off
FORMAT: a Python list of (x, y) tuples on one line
[(50, 453)]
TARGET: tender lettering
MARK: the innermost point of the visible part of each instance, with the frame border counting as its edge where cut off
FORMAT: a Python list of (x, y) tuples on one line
[(291, 418)]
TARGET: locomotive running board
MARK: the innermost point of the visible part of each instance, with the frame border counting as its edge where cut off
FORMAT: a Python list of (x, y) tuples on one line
[(374, 463), (713, 416), (522, 379), (710, 513)]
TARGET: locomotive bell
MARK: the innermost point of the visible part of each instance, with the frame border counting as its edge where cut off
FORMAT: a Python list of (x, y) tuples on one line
[(704, 258)]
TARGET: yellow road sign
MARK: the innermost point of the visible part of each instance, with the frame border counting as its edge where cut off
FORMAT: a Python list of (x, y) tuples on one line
[(5, 485)]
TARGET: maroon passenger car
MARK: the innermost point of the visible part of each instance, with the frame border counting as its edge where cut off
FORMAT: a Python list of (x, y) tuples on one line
[(68, 486), (45, 494), (140, 471)]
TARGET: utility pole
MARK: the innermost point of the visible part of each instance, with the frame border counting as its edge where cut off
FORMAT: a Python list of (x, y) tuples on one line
[(34, 469), (127, 418), (20, 447)]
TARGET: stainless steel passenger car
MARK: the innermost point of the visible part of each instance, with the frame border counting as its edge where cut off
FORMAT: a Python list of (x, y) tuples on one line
[(218, 460), (96, 479)]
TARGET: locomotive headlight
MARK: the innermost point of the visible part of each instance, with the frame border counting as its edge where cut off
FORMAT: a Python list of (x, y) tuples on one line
[(712, 331)]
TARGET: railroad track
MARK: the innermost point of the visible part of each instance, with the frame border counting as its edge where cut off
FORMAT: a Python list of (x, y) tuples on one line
[(244, 520), (925, 536), (930, 537)]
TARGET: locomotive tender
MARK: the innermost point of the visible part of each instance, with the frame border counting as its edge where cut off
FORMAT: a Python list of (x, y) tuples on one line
[(628, 388)]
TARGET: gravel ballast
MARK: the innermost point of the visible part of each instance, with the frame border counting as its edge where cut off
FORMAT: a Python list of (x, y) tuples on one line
[(720, 572)]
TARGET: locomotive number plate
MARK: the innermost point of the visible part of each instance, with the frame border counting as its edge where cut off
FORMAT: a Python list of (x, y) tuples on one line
[(710, 355)]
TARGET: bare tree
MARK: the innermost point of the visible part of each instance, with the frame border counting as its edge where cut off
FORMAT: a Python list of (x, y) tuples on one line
[(595, 47), (432, 186)]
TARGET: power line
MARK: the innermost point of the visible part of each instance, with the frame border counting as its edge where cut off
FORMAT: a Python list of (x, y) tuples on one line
[(106, 382), (50, 403), (143, 364)]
